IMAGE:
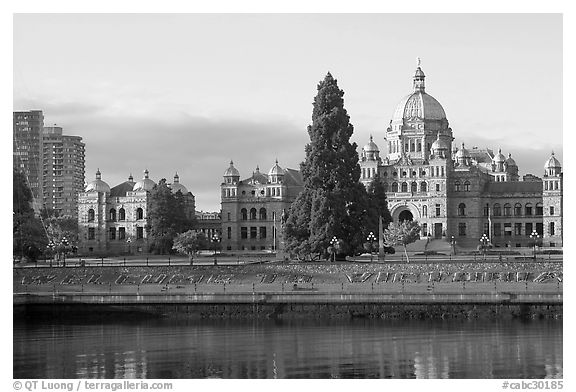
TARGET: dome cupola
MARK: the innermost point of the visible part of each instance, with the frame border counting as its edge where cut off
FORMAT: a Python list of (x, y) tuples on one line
[(498, 161), (145, 184), (370, 152), (176, 186), (231, 175), (463, 156), (552, 167), (276, 173), (98, 185), (439, 148)]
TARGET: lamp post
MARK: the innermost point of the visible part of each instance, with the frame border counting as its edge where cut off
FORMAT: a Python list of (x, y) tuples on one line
[(484, 241), (453, 244), (50, 249), (534, 237), (215, 240), (371, 240), (128, 241), (334, 243), (65, 246)]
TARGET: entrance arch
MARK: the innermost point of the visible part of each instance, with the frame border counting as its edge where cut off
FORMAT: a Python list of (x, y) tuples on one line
[(405, 215)]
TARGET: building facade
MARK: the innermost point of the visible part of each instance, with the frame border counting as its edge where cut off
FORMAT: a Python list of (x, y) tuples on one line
[(253, 209), (27, 149), (112, 221), (62, 171), (458, 192)]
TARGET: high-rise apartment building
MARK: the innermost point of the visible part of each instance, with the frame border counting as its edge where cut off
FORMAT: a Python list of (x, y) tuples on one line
[(27, 149), (63, 171)]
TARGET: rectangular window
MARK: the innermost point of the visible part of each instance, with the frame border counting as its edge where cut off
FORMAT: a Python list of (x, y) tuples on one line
[(462, 229), (437, 187), (437, 209), (253, 232), (139, 233), (517, 229), (229, 232), (91, 233), (487, 229), (551, 210), (539, 210), (497, 230), (424, 229), (112, 233), (507, 229), (486, 210), (243, 233), (540, 229), (228, 216), (552, 228), (263, 232), (528, 230), (121, 233)]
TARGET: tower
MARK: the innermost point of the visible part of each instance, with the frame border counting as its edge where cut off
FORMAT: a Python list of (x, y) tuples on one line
[(552, 202)]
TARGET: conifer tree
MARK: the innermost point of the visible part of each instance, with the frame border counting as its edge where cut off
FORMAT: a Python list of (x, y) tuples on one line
[(377, 207), (333, 201)]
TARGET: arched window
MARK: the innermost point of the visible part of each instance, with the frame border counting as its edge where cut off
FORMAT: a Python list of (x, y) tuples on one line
[(461, 209), (404, 187), (262, 214), (121, 214), (113, 215), (517, 209), (139, 213), (539, 209), (424, 211), (423, 187), (243, 214), (394, 187), (528, 209), (385, 186), (497, 210), (414, 187), (467, 186), (457, 186), (253, 214), (507, 209), (90, 215)]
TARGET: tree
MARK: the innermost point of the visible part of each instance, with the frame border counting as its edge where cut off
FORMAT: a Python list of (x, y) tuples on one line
[(333, 201), (402, 233), (167, 217), (29, 238), (59, 228), (189, 243), (377, 207)]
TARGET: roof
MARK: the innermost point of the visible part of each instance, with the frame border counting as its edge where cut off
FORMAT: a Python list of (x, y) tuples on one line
[(293, 177), (121, 189), (514, 187)]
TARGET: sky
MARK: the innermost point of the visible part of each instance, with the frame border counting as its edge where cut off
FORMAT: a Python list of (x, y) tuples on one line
[(187, 93)]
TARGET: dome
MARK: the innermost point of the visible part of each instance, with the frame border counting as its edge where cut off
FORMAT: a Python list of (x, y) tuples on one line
[(439, 144), (499, 158), (276, 170), (510, 161), (231, 171), (552, 162), (98, 185), (462, 152), (371, 146), (176, 186), (145, 184), (419, 105)]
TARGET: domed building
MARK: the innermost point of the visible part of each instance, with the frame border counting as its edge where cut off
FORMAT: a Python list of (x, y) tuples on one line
[(252, 208), (112, 221), (459, 193)]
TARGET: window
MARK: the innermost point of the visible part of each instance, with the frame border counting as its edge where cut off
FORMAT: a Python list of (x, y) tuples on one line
[(462, 229), (243, 233), (497, 230), (243, 214), (253, 233), (423, 187), (461, 209), (229, 233), (437, 187), (112, 233), (507, 209), (497, 210), (385, 185), (139, 233), (540, 229), (121, 233), (113, 215), (551, 210), (90, 215), (486, 229), (394, 187), (139, 213), (517, 209), (404, 187), (528, 230), (424, 229), (507, 229), (486, 210), (457, 186), (414, 187), (253, 214), (528, 209), (91, 233), (262, 232), (539, 209), (517, 229), (437, 209), (467, 186), (262, 214), (425, 211), (228, 215), (551, 228)]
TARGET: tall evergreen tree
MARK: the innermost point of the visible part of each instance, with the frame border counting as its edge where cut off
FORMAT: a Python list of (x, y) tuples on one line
[(333, 201), (166, 218), (29, 238), (377, 207)]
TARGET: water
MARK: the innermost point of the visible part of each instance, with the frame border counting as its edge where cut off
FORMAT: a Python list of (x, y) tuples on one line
[(295, 349)]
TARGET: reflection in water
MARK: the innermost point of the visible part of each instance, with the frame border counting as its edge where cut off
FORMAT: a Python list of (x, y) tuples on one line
[(256, 349)]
